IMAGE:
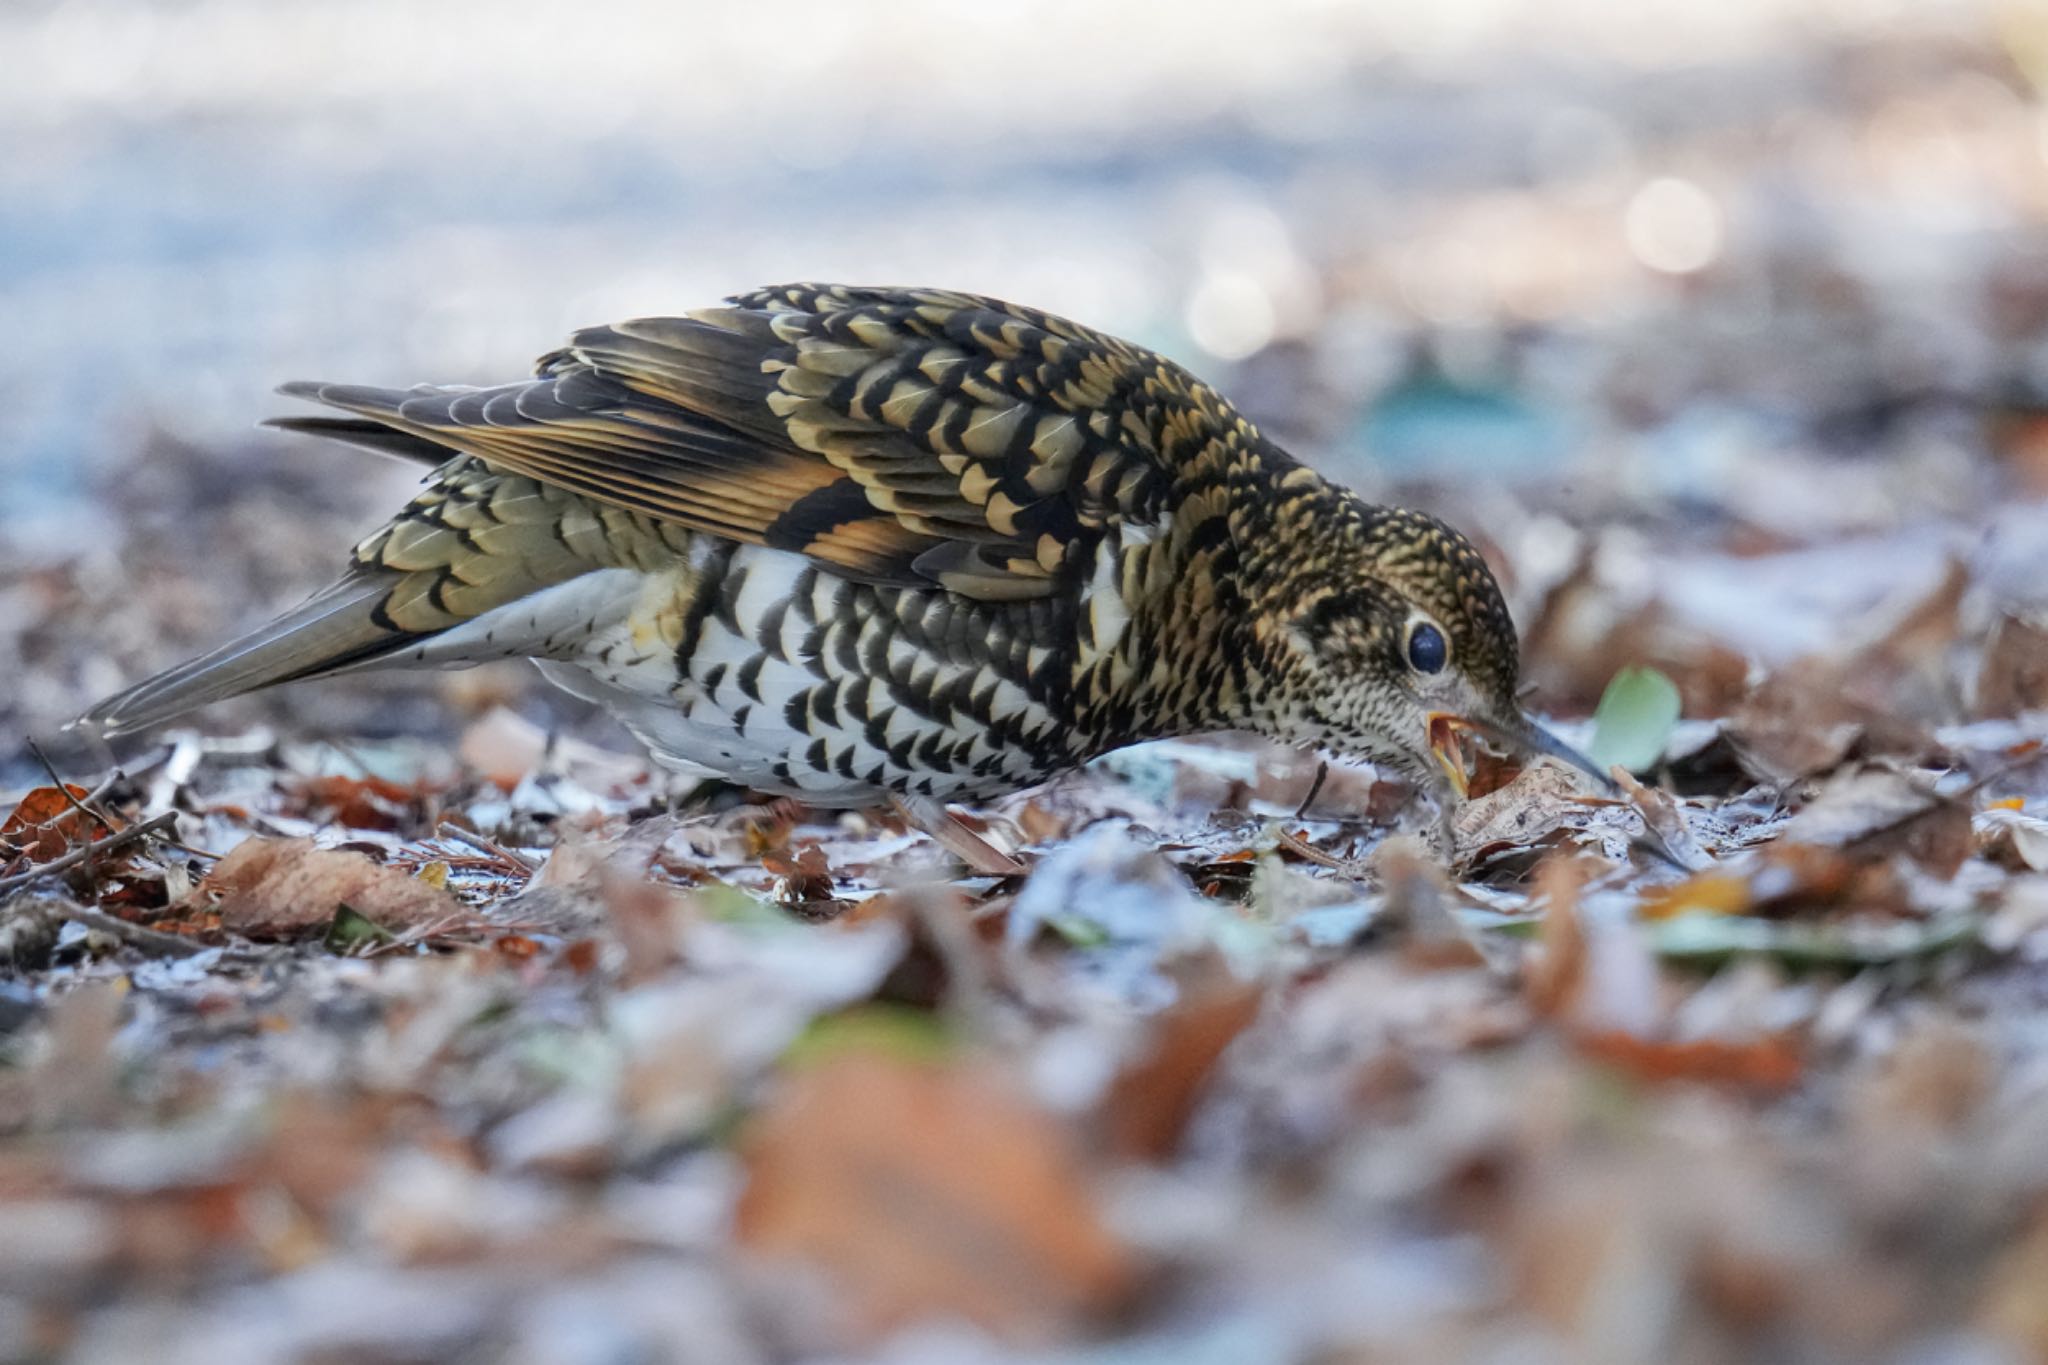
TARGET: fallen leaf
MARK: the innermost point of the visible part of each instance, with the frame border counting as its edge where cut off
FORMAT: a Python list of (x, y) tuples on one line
[(2016, 839), (802, 877), (930, 1190), (1664, 822), (2014, 674), (1535, 809), (1557, 970), (47, 824), (361, 802), (1767, 1064), (285, 888), (352, 931), (1148, 1108), (1796, 722), (1634, 720), (1719, 893), (1875, 812)]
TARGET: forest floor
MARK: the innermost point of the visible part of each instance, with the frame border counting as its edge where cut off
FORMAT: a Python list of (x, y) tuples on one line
[(423, 1030)]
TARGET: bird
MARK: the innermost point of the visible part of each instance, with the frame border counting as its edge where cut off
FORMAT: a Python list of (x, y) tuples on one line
[(866, 545)]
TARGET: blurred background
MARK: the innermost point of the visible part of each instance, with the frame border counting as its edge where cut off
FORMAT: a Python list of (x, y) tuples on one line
[(1754, 273)]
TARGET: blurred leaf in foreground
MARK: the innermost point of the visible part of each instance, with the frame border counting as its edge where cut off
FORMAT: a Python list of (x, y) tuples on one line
[(930, 1190), (1634, 720)]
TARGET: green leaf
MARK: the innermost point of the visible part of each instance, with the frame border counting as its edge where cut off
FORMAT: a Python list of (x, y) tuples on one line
[(1710, 940), (916, 1035), (1634, 720), (352, 931)]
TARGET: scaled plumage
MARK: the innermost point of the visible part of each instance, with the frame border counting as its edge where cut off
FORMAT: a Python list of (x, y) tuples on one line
[(843, 543)]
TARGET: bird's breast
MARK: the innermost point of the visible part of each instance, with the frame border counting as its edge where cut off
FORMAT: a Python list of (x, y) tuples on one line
[(756, 665)]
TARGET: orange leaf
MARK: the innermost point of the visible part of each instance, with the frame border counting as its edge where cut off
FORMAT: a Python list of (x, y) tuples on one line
[(1149, 1106), (361, 802), (46, 825), (1767, 1064), (930, 1190), (1720, 893)]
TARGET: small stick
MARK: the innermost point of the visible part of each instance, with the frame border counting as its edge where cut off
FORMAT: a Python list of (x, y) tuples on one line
[(449, 830), (84, 804), (1315, 789), (118, 839), (81, 804), (151, 942), (1299, 846)]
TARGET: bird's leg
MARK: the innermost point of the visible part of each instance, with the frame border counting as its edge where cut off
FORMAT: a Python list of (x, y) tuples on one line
[(930, 815)]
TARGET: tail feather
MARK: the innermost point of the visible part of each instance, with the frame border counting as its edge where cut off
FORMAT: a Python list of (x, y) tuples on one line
[(366, 434), (338, 628)]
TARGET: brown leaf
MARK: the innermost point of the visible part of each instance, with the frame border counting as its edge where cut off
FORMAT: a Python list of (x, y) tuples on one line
[(286, 888), (1768, 1064), (362, 802), (1664, 821), (1872, 813), (1557, 972), (46, 824), (1796, 722), (1148, 1108), (2014, 677), (1537, 808), (930, 1190), (802, 876)]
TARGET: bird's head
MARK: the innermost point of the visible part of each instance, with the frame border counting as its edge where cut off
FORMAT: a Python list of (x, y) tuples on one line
[(1397, 647)]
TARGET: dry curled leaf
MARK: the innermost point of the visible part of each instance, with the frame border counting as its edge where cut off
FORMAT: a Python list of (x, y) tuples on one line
[(929, 1189), (285, 888), (46, 824)]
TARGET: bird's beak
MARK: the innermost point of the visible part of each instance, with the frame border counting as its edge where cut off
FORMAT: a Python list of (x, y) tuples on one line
[(1520, 736), (1444, 730)]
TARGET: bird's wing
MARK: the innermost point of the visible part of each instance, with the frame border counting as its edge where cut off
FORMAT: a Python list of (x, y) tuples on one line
[(900, 436)]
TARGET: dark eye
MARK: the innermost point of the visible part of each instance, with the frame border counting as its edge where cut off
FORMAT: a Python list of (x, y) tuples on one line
[(1426, 648)]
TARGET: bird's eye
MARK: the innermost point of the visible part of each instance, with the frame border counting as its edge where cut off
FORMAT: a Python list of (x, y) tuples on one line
[(1427, 651)]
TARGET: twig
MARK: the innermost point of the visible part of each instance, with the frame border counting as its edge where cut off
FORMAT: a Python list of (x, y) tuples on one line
[(450, 923), (152, 942), (1315, 789), (84, 804), (1302, 848), (118, 839), (449, 830), (81, 804)]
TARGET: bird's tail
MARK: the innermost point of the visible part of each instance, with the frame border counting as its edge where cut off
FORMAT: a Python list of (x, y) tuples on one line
[(433, 586), (341, 627)]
